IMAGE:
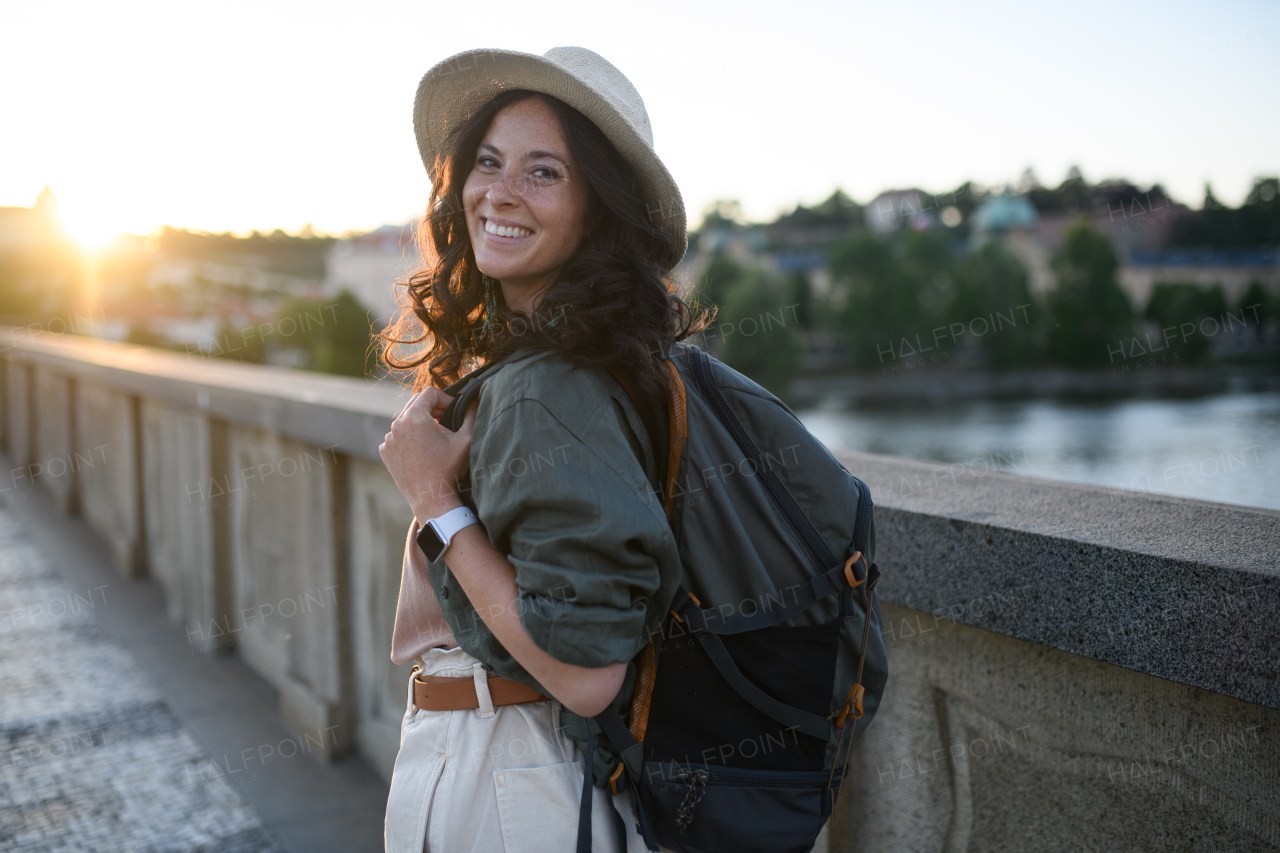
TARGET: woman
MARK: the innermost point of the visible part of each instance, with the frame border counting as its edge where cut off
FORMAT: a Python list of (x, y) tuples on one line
[(551, 228)]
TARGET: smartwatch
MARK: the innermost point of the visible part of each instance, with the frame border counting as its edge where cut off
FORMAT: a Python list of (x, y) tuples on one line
[(435, 535)]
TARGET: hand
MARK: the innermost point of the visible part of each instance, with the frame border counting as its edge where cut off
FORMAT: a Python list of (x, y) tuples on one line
[(426, 460)]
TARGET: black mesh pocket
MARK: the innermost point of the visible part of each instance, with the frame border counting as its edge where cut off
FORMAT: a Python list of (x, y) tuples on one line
[(707, 808), (696, 716)]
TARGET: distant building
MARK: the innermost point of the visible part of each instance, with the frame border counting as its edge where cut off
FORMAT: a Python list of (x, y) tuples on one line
[(1013, 222), (42, 268), (893, 209), (742, 244), (1233, 269), (806, 228), (369, 265), (31, 227), (1003, 214), (1138, 223), (245, 272)]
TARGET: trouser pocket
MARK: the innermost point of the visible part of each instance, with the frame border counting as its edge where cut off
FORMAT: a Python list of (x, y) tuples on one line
[(419, 765), (413, 784), (538, 807), (535, 805)]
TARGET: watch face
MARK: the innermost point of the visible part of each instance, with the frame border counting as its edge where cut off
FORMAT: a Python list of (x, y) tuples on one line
[(430, 542)]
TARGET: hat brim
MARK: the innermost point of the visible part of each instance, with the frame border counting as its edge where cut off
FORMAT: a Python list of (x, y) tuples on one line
[(454, 89)]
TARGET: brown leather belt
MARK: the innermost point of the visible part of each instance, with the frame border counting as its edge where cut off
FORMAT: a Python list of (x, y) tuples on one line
[(435, 693)]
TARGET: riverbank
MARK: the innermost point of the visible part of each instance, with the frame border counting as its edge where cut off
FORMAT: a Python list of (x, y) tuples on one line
[(930, 386)]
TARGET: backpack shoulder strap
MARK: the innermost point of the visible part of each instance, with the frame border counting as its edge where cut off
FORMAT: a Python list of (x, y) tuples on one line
[(676, 432), (678, 422), (467, 389)]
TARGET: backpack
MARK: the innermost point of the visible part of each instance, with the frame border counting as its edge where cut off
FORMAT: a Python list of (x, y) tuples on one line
[(772, 660)]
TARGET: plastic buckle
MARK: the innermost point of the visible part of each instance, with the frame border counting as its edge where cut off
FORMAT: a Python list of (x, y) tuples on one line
[(613, 780), (848, 569)]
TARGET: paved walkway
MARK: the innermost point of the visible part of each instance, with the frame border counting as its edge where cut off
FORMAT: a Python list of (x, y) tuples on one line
[(116, 736), (94, 760)]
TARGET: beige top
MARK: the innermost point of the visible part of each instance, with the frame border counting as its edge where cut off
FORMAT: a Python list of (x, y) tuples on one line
[(420, 623)]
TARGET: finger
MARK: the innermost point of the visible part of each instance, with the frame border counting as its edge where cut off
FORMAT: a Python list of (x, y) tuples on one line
[(435, 401), (443, 401), (405, 407), (468, 421), (427, 399), (417, 409)]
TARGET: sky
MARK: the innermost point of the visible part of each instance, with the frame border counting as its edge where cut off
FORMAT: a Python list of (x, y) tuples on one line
[(239, 116)]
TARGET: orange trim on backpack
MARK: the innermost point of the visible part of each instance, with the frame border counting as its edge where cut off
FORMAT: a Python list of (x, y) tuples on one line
[(613, 780), (852, 703), (848, 569), (678, 431), (646, 661), (696, 603), (642, 696)]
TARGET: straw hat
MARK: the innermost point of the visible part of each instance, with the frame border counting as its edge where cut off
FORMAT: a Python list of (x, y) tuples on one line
[(455, 88)]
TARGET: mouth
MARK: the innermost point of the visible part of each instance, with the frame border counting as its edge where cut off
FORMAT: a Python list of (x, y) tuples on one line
[(506, 232)]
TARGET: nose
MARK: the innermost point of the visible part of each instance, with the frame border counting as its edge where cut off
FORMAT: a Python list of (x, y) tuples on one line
[(500, 191)]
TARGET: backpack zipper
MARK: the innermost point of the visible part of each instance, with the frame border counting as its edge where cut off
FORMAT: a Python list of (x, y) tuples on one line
[(742, 777)]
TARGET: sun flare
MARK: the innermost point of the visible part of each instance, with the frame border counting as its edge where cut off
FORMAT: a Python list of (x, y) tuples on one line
[(89, 229)]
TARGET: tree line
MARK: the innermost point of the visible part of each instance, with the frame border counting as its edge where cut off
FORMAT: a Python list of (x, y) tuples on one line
[(912, 298)]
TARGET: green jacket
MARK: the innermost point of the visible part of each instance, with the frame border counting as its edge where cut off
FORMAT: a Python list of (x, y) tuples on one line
[(564, 479)]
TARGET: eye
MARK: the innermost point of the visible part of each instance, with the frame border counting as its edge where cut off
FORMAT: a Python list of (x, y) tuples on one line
[(485, 161), (546, 173)]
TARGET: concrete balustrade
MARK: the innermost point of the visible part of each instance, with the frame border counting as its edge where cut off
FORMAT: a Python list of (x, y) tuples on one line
[(1071, 667), (254, 496), (107, 470)]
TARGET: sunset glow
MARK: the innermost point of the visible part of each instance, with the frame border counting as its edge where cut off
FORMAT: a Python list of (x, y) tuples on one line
[(263, 116)]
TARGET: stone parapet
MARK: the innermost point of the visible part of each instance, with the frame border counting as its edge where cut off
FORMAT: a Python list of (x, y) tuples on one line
[(1067, 632), (1181, 589), (987, 743), (314, 408)]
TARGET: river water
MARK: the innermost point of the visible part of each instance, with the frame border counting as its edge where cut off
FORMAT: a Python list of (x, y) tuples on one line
[(1224, 448)]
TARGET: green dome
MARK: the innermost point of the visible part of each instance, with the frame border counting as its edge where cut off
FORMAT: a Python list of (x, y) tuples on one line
[(1004, 212)]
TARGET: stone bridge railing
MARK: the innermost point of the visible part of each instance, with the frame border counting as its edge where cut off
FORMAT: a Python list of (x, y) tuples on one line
[(1072, 667)]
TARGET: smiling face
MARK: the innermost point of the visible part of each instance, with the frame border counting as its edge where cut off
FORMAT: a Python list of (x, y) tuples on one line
[(525, 201)]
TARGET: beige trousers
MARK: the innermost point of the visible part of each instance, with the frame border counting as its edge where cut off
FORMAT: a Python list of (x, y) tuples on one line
[(492, 780)]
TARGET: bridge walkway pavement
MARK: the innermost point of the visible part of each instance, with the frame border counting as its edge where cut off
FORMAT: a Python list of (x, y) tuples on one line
[(119, 735)]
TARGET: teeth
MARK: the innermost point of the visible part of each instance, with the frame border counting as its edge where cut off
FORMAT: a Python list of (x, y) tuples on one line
[(505, 230)]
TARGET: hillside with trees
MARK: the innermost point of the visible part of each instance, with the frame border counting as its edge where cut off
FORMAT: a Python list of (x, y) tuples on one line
[(938, 293)]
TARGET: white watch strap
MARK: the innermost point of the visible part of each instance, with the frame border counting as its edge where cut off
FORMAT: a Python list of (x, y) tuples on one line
[(451, 522)]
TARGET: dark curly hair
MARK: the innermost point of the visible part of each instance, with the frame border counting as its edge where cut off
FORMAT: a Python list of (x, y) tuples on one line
[(613, 304)]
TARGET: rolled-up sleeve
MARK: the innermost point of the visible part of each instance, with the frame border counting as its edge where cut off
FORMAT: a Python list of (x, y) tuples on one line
[(576, 515)]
